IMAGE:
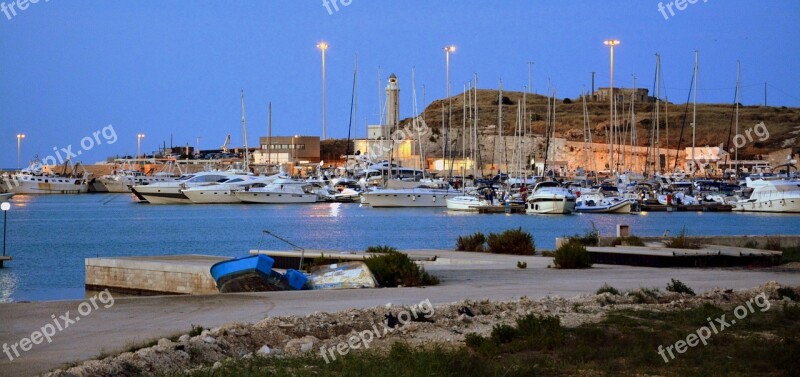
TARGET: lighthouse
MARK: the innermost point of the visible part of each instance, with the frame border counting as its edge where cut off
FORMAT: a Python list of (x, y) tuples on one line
[(392, 105)]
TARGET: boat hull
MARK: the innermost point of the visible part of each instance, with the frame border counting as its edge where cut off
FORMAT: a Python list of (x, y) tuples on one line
[(216, 196), (160, 195), (771, 205), (561, 206), (623, 206), (45, 185), (274, 197), (461, 203), (399, 200)]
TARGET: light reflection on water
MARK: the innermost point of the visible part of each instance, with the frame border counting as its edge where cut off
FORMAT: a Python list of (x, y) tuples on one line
[(50, 236)]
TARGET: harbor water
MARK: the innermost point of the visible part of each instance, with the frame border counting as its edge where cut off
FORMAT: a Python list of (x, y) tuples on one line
[(50, 236)]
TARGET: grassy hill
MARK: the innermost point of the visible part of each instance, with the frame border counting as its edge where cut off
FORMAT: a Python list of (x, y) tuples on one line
[(713, 120)]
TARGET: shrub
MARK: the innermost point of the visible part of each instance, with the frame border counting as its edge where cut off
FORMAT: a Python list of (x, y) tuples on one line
[(522, 265), (752, 244), (512, 241), (196, 330), (677, 286), (502, 334), (682, 241), (394, 268), (567, 101), (773, 244), (645, 295), (790, 254), (605, 288), (628, 241), (544, 331), (590, 238), (788, 292), (381, 249), (472, 242), (571, 255)]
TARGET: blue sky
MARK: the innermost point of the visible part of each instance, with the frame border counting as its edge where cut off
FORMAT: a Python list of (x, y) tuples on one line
[(70, 68)]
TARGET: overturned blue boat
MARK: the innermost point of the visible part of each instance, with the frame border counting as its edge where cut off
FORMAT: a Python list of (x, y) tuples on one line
[(254, 274)]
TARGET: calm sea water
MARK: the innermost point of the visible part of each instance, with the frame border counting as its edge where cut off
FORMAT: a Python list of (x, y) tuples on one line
[(50, 236)]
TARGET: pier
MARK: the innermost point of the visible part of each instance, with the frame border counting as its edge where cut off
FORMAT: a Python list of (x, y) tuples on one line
[(156, 275)]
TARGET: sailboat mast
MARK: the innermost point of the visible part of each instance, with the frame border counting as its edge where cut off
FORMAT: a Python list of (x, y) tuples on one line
[(269, 135), (631, 161), (694, 115), (657, 156), (736, 124), (500, 122), (244, 136)]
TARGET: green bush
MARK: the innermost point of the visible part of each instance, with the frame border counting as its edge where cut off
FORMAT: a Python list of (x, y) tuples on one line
[(572, 255), (512, 241), (677, 286), (502, 334), (590, 238), (394, 268), (381, 249), (605, 288), (682, 241), (522, 265), (472, 242)]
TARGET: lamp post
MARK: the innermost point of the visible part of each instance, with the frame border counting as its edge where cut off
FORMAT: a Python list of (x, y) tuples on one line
[(323, 46), (139, 138), (611, 43), (5, 207), (19, 142), (294, 153), (448, 50)]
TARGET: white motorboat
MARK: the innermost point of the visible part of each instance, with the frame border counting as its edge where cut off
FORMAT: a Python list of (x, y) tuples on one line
[(550, 198), (280, 191), (465, 203), (35, 180), (172, 192), (596, 202), (422, 194), (782, 196), (224, 191), (121, 180), (678, 198)]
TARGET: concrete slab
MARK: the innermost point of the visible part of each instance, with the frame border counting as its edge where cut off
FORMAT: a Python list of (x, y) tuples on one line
[(177, 274), (137, 320)]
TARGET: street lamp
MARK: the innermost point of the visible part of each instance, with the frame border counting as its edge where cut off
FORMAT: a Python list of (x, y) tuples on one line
[(5, 207), (611, 43), (323, 46), (448, 50), (294, 153), (19, 141), (139, 138)]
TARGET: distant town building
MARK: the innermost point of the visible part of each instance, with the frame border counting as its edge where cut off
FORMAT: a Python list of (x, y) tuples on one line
[(292, 149), (376, 131), (623, 95)]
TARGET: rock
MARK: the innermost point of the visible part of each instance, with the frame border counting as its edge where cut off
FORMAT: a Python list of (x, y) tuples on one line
[(216, 365), (184, 338), (248, 356), (165, 343), (464, 318), (302, 345), (285, 325), (209, 339), (264, 351)]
